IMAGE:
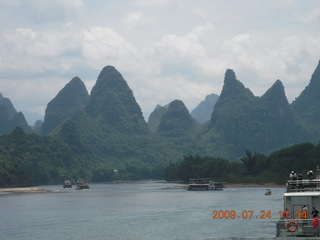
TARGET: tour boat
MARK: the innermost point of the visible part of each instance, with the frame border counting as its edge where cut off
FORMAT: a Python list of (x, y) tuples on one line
[(67, 184), (200, 184), (82, 184), (297, 220)]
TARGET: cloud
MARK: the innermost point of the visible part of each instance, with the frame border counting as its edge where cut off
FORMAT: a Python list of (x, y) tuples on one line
[(314, 16), (133, 19), (288, 60), (41, 12), (176, 52), (165, 49), (103, 46), (28, 51), (28, 33), (103, 43)]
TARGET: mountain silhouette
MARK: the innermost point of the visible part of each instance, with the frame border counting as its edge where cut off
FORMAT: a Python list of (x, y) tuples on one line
[(113, 100), (72, 98), (176, 121), (10, 118), (202, 113), (307, 105), (242, 121), (155, 117)]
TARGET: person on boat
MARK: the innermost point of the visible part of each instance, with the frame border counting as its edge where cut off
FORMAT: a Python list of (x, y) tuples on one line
[(315, 212), (293, 175), (315, 222), (304, 211), (286, 214), (310, 175), (300, 177)]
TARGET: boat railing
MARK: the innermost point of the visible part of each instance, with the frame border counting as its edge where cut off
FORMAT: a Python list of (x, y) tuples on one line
[(291, 228), (303, 185)]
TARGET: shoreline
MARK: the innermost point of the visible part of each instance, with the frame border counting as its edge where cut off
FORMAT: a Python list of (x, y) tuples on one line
[(18, 190), (254, 185), (242, 185), (233, 185)]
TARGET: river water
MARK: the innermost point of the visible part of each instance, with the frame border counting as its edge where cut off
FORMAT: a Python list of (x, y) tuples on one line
[(147, 210)]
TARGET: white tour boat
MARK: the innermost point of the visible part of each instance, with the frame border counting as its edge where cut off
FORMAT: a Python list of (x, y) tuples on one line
[(300, 199), (199, 184)]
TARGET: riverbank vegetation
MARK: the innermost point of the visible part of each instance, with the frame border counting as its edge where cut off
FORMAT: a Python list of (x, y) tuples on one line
[(31, 160), (253, 168)]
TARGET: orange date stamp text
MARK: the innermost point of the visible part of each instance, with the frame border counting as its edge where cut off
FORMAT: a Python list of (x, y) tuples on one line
[(245, 214)]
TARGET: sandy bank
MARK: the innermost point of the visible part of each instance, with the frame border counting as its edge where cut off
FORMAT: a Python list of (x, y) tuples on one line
[(4, 191)]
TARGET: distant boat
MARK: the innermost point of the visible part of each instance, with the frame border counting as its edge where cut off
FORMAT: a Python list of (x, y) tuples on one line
[(82, 184), (268, 192), (67, 184), (202, 184)]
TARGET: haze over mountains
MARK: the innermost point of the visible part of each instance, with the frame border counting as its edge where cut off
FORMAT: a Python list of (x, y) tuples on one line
[(10, 118), (202, 113), (109, 121)]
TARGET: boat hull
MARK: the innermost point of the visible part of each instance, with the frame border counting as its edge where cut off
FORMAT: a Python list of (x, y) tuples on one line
[(204, 185)]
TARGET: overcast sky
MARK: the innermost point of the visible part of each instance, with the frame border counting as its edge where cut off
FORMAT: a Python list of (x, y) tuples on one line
[(165, 49)]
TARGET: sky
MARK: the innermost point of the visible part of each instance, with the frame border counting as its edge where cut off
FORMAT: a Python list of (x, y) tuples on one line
[(164, 49)]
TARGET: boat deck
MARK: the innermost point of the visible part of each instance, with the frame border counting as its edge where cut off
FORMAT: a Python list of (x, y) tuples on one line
[(303, 185), (304, 230)]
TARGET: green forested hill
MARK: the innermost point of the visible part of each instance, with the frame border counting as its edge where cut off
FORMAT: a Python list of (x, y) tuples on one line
[(243, 121), (252, 168), (307, 105), (109, 133), (177, 121), (72, 98), (30, 159)]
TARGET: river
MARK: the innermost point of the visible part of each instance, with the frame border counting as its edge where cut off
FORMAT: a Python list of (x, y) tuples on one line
[(144, 210)]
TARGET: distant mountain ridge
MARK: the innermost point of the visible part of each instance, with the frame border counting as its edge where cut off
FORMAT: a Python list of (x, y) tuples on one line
[(202, 112), (155, 117), (10, 118), (307, 105)]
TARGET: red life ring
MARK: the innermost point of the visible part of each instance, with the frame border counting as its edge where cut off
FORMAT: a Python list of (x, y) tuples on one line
[(289, 226)]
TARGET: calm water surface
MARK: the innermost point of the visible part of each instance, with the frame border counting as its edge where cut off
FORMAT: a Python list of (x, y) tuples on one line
[(141, 210)]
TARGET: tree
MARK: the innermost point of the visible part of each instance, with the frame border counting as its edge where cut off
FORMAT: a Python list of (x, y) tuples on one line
[(250, 161)]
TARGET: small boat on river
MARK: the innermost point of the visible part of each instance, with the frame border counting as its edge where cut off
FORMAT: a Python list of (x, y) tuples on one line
[(268, 191), (67, 184), (82, 184), (299, 219), (202, 184)]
